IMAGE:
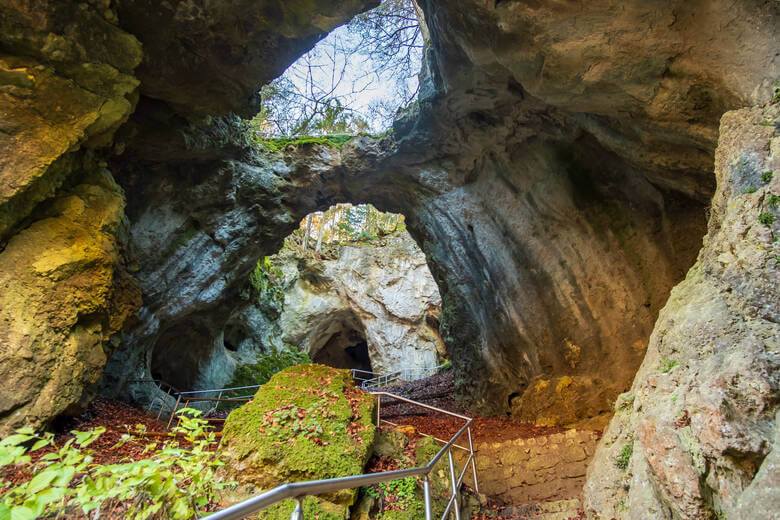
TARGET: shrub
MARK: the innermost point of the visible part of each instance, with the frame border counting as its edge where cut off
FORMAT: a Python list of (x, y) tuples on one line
[(622, 460), (266, 280), (175, 482), (767, 176), (766, 219)]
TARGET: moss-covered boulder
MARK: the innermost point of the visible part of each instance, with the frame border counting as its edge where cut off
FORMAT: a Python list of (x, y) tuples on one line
[(308, 422)]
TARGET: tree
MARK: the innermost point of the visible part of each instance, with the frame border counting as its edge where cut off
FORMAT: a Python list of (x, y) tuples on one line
[(328, 90)]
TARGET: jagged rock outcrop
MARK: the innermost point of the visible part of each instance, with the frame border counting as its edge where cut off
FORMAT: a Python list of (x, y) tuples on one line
[(63, 294), (697, 430), (379, 292)]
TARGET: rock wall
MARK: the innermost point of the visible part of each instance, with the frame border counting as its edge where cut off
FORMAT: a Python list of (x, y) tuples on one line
[(556, 172), (381, 292), (71, 73), (700, 421), (537, 469)]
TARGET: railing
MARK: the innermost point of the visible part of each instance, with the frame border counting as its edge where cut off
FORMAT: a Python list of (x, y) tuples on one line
[(405, 374), (163, 386), (299, 490), (191, 397)]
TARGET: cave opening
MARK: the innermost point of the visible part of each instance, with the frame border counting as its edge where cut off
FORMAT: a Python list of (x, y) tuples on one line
[(354, 291), (348, 349), (179, 353), (354, 80)]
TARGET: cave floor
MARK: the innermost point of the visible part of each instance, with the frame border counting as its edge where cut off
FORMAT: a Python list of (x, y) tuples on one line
[(551, 492)]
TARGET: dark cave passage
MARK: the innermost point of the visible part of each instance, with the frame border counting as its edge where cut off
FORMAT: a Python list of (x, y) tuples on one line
[(346, 349), (178, 353)]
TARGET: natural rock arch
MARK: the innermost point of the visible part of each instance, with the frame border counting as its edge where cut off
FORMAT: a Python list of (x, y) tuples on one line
[(556, 173)]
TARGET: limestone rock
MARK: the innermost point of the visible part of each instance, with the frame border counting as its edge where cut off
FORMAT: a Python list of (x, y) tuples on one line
[(703, 417), (63, 293), (308, 422), (225, 51), (66, 80), (381, 290), (565, 401)]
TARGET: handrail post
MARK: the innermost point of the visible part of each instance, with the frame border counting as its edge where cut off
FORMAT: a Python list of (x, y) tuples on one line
[(297, 513), (163, 402), (173, 413), (427, 495), (455, 501), (473, 460), (378, 410)]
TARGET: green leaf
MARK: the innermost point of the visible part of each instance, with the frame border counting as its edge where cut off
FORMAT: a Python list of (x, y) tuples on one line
[(64, 478), (16, 439), (22, 513), (41, 480), (40, 444)]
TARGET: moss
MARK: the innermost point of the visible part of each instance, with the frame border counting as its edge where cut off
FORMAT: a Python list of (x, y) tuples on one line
[(260, 372), (308, 422), (278, 144), (313, 507), (622, 460)]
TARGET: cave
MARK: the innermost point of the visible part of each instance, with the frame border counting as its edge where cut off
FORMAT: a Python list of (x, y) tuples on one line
[(178, 355), (592, 188), (345, 351)]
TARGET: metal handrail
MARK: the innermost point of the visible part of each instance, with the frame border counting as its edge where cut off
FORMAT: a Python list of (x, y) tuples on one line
[(405, 374), (299, 490)]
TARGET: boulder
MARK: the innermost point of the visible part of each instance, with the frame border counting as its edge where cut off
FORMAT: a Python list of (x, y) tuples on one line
[(308, 422)]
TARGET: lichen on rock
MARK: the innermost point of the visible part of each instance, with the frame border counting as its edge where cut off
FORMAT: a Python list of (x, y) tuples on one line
[(63, 293)]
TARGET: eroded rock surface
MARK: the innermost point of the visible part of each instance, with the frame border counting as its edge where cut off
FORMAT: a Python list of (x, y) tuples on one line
[(71, 73), (697, 429), (380, 292), (63, 293)]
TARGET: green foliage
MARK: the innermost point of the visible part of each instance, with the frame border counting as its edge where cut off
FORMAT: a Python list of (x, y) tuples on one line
[(174, 482), (767, 176), (749, 190), (266, 280), (622, 460), (774, 200), (260, 372), (446, 366), (766, 219), (278, 144), (667, 365)]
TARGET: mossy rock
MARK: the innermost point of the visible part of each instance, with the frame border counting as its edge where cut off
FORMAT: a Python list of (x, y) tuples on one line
[(308, 422), (406, 495), (563, 401), (390, 443)]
